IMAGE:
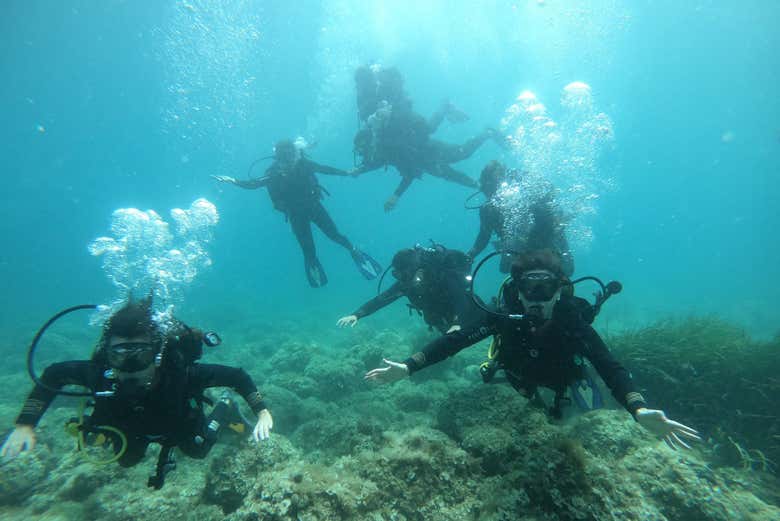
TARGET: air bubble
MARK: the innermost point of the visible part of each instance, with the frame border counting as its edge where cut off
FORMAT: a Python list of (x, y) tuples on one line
[(143, 257)]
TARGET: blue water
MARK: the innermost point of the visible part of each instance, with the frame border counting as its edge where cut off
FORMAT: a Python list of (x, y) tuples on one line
[(117, 104)]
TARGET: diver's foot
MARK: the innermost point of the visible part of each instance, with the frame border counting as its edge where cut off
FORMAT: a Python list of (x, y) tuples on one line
[(316, 274), (455, 115), (391, 203), (366, 265)]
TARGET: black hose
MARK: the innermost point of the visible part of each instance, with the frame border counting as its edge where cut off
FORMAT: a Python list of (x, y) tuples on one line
[(469, 198), (379, 284), (607, 290), (254, 163), (34, 345), (595, 279), (477, 300)]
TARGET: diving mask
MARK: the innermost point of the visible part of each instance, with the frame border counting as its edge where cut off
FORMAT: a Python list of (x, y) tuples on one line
[(538, 285), (539, 290), (130, 357)]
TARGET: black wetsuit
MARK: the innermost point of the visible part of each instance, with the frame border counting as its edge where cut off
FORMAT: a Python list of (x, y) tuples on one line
[(297, 194), (404, 142), (441, 297), (548, 356), (375, 87), (171, 413), (546, 231)]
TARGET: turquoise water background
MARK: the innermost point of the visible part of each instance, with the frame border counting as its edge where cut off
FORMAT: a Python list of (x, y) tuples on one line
[(116, 104)]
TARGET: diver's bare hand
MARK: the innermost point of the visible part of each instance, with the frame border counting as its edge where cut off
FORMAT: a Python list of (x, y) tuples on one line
[(454, 114), (384, 375), (670, 431), (349, 320), (224, 179), (21, 439), (263, 427)]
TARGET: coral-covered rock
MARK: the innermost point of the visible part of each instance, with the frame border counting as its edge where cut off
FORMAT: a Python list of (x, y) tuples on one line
[(232, 477), (441, 446), (24, 475), (334, 379)]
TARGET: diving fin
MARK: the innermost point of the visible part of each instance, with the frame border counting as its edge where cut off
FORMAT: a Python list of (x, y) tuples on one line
[(229, 415), (366, 265), (455, 115), (586, 394), (316, 274)]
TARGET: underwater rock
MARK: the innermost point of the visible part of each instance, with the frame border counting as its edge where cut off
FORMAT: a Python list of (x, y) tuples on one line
[(682, 487), (292, 357), (303, 386), (495, 448), (479, 405), (82, 481), (334, 378), (441, 448), (338, 433), (395, 482), (230, 478), (287, 408), (608, 433), (23, 476)]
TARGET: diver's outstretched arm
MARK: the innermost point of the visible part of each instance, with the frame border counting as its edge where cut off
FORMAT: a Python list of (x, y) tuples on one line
[(406, 182), (249, 184), (329, 170), (55, 376), (385, 298), (434, 352), (392, 372), (216, 375), (365, 168)]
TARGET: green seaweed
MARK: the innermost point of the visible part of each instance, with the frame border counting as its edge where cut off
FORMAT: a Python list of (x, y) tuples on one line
[(708, 373)]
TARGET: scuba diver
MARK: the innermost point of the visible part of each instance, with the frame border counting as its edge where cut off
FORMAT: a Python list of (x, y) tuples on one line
[(295, 191), (376, 85), (392, 134), (546, 229), (436, 282), (146, 388), (542, 335)]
